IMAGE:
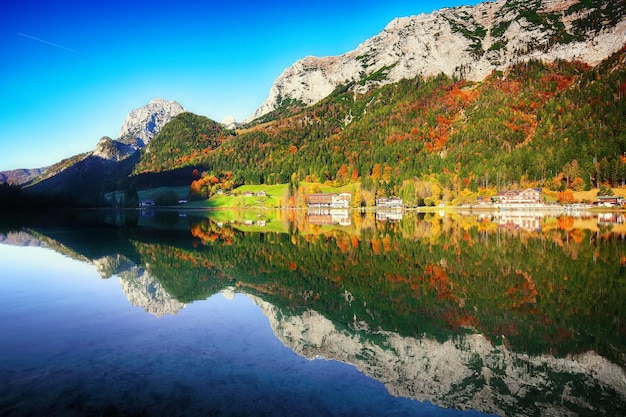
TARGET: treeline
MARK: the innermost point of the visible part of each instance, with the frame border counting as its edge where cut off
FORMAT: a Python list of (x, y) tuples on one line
[(13, 197)]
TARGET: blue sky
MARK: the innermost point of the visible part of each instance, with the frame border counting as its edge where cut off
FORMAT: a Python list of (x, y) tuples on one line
[(70, 71)]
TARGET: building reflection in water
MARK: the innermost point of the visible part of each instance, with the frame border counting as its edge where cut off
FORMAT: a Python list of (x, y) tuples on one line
[(328, 216), (389, 215)]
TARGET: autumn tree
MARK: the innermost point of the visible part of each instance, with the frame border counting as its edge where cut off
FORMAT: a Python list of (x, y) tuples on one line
[(578, 184), (566, 196), (342, 174), (376, 172)]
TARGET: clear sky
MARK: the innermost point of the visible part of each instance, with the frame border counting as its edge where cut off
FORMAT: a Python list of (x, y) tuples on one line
[(70, 71)]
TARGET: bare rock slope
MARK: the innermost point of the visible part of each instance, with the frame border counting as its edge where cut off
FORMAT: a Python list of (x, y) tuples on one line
[(468, 373), (143, 124), (467, 42)]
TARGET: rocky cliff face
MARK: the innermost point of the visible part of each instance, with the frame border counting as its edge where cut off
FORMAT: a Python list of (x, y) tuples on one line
[(142, 290), (141, 125), (230, 122), (144, 123), (466, 373), (112, 150), (466, 42)]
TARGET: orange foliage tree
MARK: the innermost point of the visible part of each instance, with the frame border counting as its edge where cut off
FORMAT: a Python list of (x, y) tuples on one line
[(566, 196)]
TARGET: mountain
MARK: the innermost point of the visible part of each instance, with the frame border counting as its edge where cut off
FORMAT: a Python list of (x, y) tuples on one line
[(113, 150), (85, 177), (138, 129), (143, 124), (463, 42), (539, 124), (185, 139), (230, 122), (467, 98), (445, 373), (20, 176), (507, 94)]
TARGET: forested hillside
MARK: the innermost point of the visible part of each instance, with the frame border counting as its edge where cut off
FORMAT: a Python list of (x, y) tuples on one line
[(558, 125), (188, 138)]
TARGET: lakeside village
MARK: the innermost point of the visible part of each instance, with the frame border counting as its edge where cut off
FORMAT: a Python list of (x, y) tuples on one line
[(518, 209), (530, 198), (527, 199)]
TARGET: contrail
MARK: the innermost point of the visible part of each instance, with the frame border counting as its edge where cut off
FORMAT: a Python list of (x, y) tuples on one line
[(49, 43)]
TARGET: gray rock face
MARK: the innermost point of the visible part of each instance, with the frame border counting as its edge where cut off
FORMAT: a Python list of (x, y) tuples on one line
[(230, 122), (468, 373), (112, 150), (20, 238), (140, 126), (142, 290), (143, 124), (468, 42)]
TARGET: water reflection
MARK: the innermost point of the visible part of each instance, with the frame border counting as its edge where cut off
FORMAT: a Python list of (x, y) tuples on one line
[(511, 313), (327, 216), (143, 290), (391, 215)]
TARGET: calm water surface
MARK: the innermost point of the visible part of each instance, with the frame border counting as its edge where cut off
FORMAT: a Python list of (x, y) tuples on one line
[(294, 313)]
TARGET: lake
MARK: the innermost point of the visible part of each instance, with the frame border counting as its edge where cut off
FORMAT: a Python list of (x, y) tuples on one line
[(312, 313)]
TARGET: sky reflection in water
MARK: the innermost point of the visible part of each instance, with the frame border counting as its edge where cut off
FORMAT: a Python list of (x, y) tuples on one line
[(73, 345)]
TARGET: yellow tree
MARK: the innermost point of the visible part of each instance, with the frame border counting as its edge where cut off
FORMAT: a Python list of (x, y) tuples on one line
[(356, 198), (376, 170), (387, 173)]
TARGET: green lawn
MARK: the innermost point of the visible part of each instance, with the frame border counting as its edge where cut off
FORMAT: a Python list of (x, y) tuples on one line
[(275, 195), (249, 219)]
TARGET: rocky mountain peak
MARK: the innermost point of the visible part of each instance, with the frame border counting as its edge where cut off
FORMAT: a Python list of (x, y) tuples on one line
[(229, 122), (143, 124), (467, 42), (112, 150), (143, 290), (20, 176)]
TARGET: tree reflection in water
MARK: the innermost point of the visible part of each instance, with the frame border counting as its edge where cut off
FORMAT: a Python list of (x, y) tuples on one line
[(510, 313)]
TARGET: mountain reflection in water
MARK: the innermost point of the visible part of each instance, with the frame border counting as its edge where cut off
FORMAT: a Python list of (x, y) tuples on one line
[(509, 313)]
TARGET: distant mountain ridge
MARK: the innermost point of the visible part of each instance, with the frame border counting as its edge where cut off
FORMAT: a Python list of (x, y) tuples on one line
[(138, 129), (110, 161), (20, 176), (467, 42)]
